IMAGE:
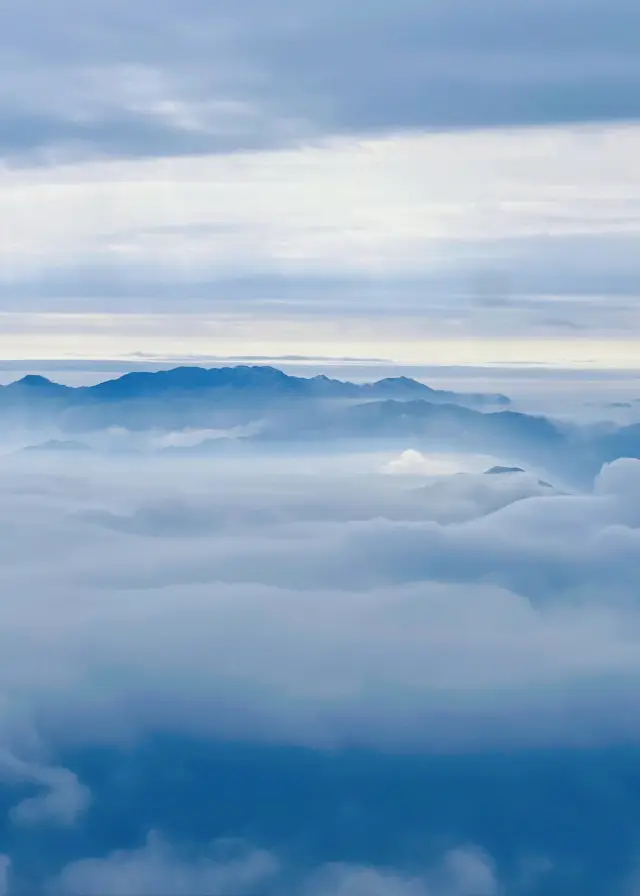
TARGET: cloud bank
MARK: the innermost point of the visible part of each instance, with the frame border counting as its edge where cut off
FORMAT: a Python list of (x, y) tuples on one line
[(275, 176), (165, 630), (173, 78)]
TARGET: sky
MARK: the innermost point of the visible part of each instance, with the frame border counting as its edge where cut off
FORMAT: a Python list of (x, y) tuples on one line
[(257, 644), (426, 182), (287, 669)]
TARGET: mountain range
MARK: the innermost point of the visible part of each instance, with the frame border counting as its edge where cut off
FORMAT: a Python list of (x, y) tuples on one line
[(277, 409), (199, 397), (253, 381)]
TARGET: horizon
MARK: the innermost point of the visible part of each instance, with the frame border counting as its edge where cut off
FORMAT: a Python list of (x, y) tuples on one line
[(358, 370)]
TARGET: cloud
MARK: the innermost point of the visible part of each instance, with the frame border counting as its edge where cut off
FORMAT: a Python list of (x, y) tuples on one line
[(197, 159), (462, 871), (454, 494), (158, 868), (415, 463), (63, 800), (273, 252), (202, 650), (173, 78), (164, 596)]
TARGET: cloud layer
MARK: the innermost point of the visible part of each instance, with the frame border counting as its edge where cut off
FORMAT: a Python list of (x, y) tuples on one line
[(290, 172), (400, 247), (169, 78), (285, 611), (366, 571)]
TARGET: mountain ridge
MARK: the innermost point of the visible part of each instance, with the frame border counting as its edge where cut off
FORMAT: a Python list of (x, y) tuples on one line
[(244, 379)]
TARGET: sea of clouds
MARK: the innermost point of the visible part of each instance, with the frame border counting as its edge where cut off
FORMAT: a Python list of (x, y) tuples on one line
[(316, 676)]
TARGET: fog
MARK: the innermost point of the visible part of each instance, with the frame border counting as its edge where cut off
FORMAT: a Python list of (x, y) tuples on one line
[(221, 675)]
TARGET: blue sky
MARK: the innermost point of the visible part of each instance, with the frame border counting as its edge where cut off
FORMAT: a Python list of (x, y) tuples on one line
[(455, 179)]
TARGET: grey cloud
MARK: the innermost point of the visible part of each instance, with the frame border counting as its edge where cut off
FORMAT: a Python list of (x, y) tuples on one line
[(509, 287), (44, 137), (201, 76)]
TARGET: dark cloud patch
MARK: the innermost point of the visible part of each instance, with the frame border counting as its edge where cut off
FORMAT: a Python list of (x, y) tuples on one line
[(207, 77)]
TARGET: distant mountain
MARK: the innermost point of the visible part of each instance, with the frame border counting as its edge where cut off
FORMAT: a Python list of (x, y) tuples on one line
[(197, 397), (464, 496), (499, 471), (58, 445), (513, 471), (441, 426), (252, 380), (33, 385), (269, 381), (282, 409), (33, 391)]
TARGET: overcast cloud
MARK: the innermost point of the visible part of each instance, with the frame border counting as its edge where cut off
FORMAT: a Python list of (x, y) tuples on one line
[(285, 170), (165, 78)]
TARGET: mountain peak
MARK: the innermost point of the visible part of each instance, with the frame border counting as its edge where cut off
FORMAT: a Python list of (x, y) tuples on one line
[(36, 383), (498, 470), (33, 381)]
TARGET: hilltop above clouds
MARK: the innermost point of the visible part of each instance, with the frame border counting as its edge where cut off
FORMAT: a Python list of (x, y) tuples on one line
[(192, 411)]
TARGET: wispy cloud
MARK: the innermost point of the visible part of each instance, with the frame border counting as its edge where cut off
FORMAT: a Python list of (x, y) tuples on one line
[(494, 235)]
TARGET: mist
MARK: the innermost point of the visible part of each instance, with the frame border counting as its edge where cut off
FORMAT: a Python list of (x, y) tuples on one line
[(316, 672)]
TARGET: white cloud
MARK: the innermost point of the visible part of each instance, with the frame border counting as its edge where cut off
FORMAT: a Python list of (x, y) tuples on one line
[(398, 204), (159, 868), (285, 603), (518, 234), (505, 233), (63, 800), (419, 463), (415, 463), (463, 872), (209, 160), (139, 610), (458, 488)]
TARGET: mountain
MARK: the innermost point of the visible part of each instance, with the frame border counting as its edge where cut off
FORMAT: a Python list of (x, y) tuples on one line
[(269, 381), (58, 445), (512, 472), (199, 397), (285, 409), (250, 380), (443, 426), (32, 391), (500, 470), (242, 380)]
